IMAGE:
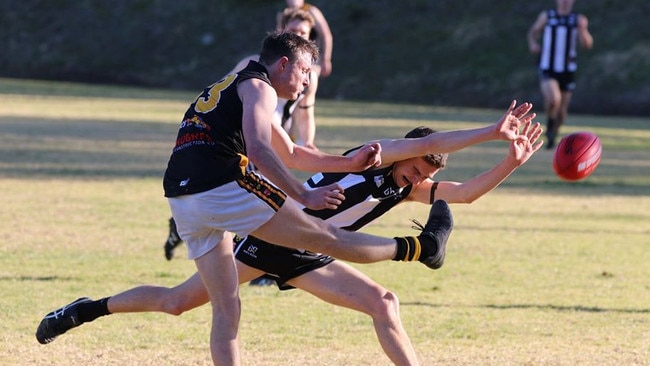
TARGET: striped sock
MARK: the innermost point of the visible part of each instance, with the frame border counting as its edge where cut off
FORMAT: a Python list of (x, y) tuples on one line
[(408, 249)]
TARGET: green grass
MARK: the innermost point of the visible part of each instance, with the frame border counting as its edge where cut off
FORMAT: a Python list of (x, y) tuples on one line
[(538, 272)]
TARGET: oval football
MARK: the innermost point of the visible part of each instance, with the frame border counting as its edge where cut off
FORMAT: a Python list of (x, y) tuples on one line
[(577, 156)]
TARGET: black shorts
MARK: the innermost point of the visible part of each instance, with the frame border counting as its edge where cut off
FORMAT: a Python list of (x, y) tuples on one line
[(566, 80), (280, 263)]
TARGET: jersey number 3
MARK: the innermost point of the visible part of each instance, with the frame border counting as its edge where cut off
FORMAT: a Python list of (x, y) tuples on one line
[(208, 101)]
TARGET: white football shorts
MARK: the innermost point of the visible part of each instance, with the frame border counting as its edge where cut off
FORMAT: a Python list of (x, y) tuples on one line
[(240, 207)]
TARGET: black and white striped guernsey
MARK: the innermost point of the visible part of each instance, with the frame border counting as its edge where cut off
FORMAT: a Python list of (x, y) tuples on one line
[(368, 195), (559, 43)]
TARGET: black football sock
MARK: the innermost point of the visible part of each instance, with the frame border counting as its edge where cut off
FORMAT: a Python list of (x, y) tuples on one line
[(90, 311), (410, 249), (551, 128), (550, 124)]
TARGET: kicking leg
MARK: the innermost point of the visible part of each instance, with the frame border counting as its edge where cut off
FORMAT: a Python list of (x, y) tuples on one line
[(316, 235)]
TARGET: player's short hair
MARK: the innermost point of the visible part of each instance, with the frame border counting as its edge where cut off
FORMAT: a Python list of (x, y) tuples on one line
[(279, 44), (435, 160), (291, 14)]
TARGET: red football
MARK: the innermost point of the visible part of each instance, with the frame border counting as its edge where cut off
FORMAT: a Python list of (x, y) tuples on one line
[(577, 156)]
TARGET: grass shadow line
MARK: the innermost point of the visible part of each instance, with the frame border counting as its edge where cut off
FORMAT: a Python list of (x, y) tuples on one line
[(559, 308)]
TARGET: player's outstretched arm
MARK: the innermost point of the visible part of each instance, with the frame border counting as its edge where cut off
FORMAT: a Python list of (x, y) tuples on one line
[(312, 160), (519, 152), (506, 128)]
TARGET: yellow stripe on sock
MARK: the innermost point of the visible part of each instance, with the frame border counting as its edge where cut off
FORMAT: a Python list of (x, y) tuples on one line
[(418, 249)]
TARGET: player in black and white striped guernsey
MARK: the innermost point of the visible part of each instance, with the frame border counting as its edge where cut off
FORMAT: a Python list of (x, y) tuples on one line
[(561, 30), (403, 177)]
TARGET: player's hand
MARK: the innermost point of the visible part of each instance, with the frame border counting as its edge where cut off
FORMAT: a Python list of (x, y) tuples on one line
[(508, 126), (522, 149), (368, 156), (328, 197)]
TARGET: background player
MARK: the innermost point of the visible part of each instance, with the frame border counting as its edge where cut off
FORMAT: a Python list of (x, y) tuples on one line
[(562, 29), (304, 128)]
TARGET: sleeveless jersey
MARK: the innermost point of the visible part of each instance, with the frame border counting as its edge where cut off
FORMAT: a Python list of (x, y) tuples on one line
[(368, 195), (559, 43), (210, 149)]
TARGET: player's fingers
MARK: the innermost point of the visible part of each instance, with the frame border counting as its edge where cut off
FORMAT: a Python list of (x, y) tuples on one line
[(528, 117), (376, 161), (538, 145), (535, 135), (333, 202), (522, 109), (377, 147), (336, 187), (521, 139), (335, 191), (525, 129)]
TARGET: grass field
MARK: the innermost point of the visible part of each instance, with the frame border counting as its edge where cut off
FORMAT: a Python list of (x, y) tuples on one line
[(538, 272)]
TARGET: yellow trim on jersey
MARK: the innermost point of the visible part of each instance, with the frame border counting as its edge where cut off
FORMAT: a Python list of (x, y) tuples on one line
[(268, 193)]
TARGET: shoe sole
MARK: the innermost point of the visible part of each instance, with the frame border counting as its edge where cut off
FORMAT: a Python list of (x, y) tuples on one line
[(440, 232)]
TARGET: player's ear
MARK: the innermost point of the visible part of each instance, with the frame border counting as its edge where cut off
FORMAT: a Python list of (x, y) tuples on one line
[(283, 62)]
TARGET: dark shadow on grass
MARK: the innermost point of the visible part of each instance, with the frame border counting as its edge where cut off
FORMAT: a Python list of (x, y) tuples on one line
[(572, 230), (558, 308), (46, 148), (36, 278)]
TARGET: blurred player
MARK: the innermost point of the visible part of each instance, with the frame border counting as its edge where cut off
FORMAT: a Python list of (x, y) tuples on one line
[(304, 128), (562, 29)]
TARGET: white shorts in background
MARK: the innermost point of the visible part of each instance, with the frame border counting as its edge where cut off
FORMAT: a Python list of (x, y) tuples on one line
[(239, 207)]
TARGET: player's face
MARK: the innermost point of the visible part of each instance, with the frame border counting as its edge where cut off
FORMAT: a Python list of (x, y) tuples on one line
[(295, 3), (293, 77), (565, 5), (299, 27), (413, 171)]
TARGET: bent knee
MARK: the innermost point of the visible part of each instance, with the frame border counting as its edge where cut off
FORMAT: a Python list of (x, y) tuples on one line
[(174, 308), (385, 305)]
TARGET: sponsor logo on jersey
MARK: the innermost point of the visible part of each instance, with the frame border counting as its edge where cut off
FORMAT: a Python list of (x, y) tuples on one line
[(379, 180)]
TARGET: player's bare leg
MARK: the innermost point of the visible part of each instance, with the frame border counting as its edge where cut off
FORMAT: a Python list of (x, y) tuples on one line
[(340, 284), (316, 235), (219, 275), (552, 105)]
